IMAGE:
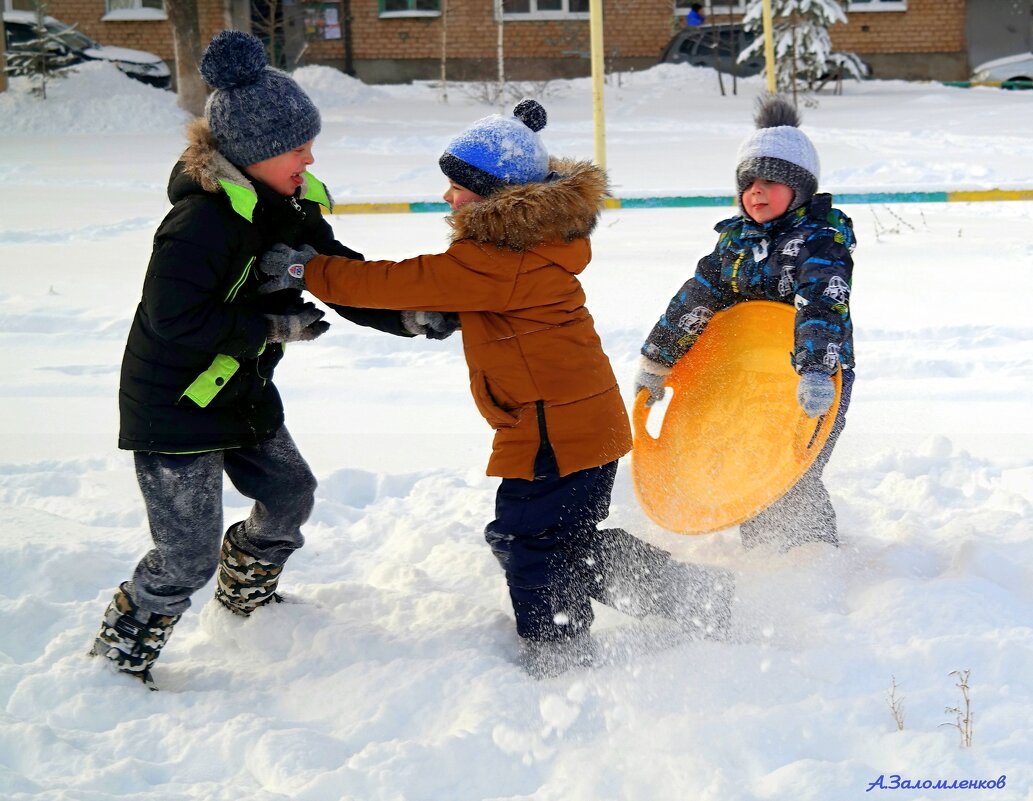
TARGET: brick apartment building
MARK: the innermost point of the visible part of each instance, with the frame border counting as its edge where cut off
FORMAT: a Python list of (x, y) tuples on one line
[(399, 40)]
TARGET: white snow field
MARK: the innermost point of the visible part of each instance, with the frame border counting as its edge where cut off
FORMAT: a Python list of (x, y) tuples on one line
[(393, 677)]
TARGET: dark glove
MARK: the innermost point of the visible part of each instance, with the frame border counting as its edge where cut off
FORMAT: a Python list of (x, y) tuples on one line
[(299, 326), (815, 392), (433, 325), (651, 376), (285, 267)]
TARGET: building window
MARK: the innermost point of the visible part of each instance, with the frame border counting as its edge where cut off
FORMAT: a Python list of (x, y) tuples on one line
[(115, 10), (876, 5), (544, 9), (410, 8), (681, 7)]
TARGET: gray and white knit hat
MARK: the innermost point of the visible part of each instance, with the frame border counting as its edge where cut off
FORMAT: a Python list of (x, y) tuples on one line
[(255, 112), (778, 151)]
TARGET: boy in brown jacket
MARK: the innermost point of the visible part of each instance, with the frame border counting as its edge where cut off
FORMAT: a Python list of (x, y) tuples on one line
[(539, 376)]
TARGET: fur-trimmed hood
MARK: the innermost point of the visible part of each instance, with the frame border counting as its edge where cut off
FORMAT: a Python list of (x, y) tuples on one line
[(521, 217), (204, 164)]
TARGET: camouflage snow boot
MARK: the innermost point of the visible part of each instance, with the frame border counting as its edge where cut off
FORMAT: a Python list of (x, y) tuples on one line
[(132, 638), (245, 581)]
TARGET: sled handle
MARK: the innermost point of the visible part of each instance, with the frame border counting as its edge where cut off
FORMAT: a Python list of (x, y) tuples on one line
[(639, 416)]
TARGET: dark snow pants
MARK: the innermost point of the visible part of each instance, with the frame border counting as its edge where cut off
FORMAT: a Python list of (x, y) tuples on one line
[(183, 496), (805, 513), (555, 559)]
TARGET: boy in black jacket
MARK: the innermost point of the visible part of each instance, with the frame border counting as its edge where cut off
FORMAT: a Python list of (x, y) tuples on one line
[(196, 396)]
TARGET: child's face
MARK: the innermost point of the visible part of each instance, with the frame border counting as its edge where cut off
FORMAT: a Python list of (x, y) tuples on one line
[(456, 195), (765, 200), (283, 173)]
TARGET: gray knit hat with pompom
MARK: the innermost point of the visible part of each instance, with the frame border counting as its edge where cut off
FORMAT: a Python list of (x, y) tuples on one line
[(778, 151), (255, 112)]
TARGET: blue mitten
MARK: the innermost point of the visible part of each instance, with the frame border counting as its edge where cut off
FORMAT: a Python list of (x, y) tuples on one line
[(285, 267), (815, 392)]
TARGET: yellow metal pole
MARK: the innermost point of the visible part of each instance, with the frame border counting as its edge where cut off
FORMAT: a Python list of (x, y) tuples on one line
[(595, 12), (769, 46)]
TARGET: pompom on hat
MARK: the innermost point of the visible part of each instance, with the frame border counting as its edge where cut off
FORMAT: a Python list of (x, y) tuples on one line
[(255, 112), (499, 151), (778, 151)]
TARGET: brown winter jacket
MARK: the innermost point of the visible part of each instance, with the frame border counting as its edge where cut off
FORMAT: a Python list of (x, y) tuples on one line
[(537, 367)]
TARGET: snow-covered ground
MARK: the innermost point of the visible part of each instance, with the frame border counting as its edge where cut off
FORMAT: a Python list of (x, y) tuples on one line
[(393, 678)]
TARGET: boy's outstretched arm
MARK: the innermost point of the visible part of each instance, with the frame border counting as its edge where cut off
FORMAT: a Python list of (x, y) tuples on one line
[(676, 331), (467, 277), (687, 314), (388, 321)]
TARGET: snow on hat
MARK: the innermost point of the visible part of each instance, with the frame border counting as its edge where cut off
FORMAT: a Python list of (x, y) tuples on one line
[(778, 151), (496, 151), (255, 112)]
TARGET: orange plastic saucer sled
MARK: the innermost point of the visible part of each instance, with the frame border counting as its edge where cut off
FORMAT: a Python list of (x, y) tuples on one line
[(734, 438)]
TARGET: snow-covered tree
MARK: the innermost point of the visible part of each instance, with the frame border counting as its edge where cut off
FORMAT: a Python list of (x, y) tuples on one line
[(42, 58), (803, 49)]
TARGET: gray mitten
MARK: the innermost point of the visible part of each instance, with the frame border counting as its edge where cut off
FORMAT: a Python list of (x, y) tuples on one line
[(651, 376), (299, 326), (815, 392), (285, 267), (433, 325)]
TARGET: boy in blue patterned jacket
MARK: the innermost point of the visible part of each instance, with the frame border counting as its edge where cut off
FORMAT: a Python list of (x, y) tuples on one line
[(788, 245)]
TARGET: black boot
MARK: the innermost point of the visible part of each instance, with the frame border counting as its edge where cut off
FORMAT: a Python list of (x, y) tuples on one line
[(245, 581), (543, 659), (132, 638), (697, 598), (801, 516)]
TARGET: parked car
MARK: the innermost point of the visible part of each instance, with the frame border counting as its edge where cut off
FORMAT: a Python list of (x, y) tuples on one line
[(146, 67), (1010, 68), (717, 46)]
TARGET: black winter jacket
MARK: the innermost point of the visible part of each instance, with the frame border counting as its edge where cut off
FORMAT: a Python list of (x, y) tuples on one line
[(197, 370), (802, 258)]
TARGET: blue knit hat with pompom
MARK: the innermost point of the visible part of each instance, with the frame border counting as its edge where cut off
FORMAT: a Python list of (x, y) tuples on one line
[(255, 112), (497, 151)]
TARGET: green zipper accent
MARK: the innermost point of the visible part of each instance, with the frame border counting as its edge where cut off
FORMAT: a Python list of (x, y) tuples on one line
[(193, 453), (240, 282), (207, 385)]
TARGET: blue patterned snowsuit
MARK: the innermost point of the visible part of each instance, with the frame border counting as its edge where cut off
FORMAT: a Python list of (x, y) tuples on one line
[(803, 258)]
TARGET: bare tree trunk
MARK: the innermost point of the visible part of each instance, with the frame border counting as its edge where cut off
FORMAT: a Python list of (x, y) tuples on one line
[(346, 33), (793, 61), (186, 37), (444, 51), (500, 51), (733, 37), (3, 56), (268, 21)]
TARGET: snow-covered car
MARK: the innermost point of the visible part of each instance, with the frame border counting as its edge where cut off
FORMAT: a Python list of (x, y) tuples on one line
[(138, 64), (1011, 69), (716, 46)]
